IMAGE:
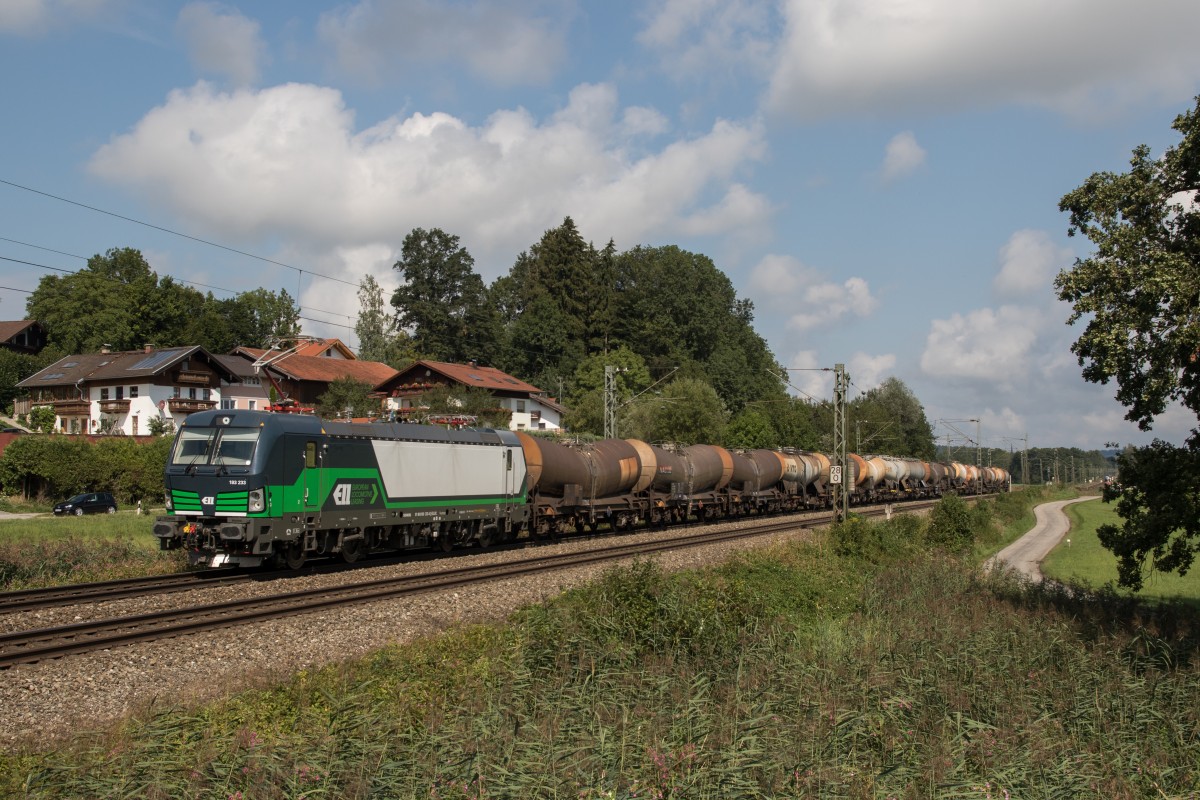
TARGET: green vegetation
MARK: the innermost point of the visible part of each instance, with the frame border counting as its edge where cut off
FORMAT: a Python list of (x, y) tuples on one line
[(1086, 562), (118, 301), (1136, 297), (49, 551), (862, 665), (52, 468)]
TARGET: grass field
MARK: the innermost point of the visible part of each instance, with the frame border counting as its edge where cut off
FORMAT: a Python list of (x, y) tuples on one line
[(1081, 559), (864, 665), (48, 550)]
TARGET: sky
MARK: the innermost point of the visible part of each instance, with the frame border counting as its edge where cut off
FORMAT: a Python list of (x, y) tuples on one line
[(880, 178)]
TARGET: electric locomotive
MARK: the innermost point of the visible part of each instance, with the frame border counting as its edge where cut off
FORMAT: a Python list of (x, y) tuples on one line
[(246, 488)]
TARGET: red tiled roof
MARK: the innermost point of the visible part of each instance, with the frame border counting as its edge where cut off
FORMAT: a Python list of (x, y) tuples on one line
[(317, 348), (485, 377), (324, 369)]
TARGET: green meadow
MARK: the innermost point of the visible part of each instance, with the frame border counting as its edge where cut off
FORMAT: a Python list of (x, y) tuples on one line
[(1080, 559)]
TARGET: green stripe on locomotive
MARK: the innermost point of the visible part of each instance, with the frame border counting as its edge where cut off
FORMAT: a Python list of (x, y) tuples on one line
[(359, 489)]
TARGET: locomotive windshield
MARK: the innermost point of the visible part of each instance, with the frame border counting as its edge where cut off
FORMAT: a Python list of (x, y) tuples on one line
[(229, 447)]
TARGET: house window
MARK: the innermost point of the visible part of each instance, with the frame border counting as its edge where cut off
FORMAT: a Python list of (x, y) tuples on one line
[(104, 393), (175, 392), (192, 393), (227, 404), (207, 394), (133, 392), (251, 404), (120, 392), (520, 406)]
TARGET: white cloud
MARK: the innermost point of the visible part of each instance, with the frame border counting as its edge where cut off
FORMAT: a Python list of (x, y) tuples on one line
[(867, 56), (783, 283), (707, 38), (508, 43), (641, 120), (868, 371), (36, 17), (902, 157), (986, 345), (809, 378), (1028, 263), (222, 41), (288, 161)]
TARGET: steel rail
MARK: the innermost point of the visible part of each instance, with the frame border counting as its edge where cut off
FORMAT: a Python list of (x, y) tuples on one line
[(99, 591)]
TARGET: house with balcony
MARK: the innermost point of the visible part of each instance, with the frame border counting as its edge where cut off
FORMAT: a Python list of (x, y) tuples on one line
[(121, 392), (531, 408)]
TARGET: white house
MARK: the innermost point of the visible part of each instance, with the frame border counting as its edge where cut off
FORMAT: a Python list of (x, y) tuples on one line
[(122, 392)]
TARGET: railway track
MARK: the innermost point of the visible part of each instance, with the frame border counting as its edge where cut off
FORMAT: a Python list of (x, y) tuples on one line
[(31, 646), (49, 597)]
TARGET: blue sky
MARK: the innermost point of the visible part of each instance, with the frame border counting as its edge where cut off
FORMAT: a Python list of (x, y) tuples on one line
[(880, 177)]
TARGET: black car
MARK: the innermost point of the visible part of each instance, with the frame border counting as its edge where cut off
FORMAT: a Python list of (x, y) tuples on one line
[(88, 503)]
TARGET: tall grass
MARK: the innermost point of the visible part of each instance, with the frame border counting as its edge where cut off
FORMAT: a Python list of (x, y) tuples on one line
[(48, 551), (865, 666)]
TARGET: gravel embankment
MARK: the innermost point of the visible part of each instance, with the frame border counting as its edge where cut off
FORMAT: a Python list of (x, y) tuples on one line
[(50, 699)]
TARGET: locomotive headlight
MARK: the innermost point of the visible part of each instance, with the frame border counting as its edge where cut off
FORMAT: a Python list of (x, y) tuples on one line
[(256, 500), (170, 505)]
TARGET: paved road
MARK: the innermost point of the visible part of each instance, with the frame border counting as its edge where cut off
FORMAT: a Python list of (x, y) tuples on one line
[(1025, 554)]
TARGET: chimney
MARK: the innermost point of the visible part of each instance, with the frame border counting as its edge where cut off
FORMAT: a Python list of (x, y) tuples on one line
[(104, 350), (148, 348)]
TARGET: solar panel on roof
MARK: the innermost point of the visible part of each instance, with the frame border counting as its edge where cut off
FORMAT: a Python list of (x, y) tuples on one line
[(155, 360), (71, 364), (476, 377), (52, 376)]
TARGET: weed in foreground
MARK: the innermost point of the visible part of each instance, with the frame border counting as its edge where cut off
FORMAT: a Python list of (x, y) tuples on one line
[(788, 674)]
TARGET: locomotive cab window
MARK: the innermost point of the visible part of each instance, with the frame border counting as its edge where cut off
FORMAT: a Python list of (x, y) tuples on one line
[(229, 447)]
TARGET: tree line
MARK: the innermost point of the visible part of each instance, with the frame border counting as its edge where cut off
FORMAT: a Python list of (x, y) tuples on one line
[(687, 363)]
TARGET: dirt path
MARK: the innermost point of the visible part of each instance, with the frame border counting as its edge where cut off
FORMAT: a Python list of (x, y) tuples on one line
[(1025, 554)]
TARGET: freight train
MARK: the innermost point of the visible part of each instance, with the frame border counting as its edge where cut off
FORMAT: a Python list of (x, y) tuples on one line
[(251, 488)]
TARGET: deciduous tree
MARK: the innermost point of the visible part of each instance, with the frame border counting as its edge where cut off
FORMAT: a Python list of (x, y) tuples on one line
[(378, 337), (443, 300), (1139, 295)]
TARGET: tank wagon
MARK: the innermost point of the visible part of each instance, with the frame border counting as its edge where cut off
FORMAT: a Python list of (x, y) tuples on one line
[(248, 488)]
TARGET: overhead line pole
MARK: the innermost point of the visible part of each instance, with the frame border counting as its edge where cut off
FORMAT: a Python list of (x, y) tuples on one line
[(841, 495)]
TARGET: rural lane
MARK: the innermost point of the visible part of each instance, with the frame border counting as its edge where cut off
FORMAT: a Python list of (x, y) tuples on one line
[(1025, 554)]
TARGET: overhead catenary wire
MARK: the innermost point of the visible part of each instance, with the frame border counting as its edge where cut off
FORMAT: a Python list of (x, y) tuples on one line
[(175, 233), (181, 280)]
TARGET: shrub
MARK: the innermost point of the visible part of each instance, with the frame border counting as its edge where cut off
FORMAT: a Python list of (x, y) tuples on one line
[(953, 524)]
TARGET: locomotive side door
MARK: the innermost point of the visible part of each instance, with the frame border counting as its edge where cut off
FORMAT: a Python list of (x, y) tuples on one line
[(510, 480), (311, 500)]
